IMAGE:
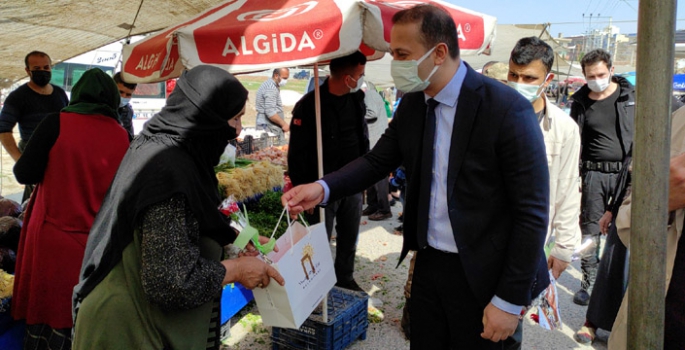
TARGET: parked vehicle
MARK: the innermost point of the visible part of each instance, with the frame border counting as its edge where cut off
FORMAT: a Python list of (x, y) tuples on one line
[(303, 74), (147, 99)]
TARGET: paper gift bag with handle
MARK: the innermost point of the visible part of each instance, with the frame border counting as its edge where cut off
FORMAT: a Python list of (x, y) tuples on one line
[(304, 260)]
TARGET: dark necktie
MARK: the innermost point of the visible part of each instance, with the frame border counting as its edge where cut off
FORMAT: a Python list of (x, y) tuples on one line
[(427, 151)]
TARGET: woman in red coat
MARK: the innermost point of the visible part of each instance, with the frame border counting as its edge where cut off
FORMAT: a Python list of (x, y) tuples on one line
[(72, 157)]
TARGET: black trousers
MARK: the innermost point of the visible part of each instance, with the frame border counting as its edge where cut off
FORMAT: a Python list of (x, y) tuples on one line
[(445, 314), (597, 187), (377, 196), (345, 214), (674, 327), (609, 287)]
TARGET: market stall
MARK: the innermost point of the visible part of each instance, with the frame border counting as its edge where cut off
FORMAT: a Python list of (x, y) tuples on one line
[(11, 331), (250, 186)]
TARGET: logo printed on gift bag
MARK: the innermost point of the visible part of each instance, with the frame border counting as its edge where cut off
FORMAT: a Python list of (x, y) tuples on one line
[(307, 262), (307, 254)]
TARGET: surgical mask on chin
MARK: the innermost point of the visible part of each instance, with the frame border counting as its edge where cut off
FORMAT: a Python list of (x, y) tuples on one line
[(599, 85), (529, 92), (360, 82), (124, 101), (405, 74), (283, 82)]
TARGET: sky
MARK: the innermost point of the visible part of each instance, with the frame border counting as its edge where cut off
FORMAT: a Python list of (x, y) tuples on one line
[(566, 17)]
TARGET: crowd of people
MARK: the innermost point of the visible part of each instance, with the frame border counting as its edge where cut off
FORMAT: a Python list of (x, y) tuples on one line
[(500, 188)]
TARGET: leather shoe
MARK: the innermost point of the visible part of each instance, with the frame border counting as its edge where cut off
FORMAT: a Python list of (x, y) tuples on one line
[(581, 298), (398, 230), (351, 285), (368, 211), (378, 216)]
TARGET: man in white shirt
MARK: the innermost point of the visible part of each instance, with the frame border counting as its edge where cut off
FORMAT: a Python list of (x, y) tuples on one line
[(530, 69)]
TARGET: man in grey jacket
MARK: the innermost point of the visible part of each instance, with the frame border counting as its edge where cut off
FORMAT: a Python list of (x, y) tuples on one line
[(269, 106)]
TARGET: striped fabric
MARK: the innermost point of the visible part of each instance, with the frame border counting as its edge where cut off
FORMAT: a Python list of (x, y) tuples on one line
[(214, 337), (42, 336), (268, 102)]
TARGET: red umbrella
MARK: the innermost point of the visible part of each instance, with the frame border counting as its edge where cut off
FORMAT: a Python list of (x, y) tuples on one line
[(243, 36)]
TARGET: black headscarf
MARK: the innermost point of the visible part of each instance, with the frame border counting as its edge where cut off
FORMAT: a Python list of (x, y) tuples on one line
[(95, 93), (175, 154)]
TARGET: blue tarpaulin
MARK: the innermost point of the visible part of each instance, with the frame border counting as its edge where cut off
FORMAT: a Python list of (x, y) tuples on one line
[(679, 82)]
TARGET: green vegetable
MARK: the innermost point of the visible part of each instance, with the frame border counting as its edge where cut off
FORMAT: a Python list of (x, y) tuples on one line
[(223, 167), (264, 214), (226, 167), (241, 163)]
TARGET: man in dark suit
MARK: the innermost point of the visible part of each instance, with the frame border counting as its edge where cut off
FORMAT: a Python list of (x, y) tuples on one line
[(477, 189)]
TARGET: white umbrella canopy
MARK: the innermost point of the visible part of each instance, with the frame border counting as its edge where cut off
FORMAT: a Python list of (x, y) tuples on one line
[(244, 36)]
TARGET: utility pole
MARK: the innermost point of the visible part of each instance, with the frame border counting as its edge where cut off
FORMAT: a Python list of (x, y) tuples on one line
[(646, 294)]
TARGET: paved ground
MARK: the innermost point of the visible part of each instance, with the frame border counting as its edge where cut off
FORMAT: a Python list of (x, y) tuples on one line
[(377, 255)]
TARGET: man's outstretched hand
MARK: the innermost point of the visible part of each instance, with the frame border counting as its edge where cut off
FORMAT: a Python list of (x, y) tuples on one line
[(303, 197)]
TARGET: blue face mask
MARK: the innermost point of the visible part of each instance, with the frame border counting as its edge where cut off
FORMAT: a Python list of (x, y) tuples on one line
[(405, 74), (124, 101)]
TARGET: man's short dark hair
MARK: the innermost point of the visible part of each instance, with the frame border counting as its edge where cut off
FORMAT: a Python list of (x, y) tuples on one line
[(345, 65), (595, 56), (36, 53), (530, 49), (117, 79), (437, 26)]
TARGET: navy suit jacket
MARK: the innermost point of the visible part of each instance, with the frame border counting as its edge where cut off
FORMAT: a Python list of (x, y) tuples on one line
[(497, 183)]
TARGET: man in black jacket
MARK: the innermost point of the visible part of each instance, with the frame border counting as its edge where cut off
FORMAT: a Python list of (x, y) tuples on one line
[(344, 137), (125, 110), (604, 109)]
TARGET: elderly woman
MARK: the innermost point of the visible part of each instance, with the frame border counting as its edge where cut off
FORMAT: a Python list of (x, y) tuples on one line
[(72, 157), (152, 274)]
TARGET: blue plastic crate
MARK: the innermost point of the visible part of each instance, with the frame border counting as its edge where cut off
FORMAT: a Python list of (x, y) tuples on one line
[(347, 315), (11, 331), (233, 298)]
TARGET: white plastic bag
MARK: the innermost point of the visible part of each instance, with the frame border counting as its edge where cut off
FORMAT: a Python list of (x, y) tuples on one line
[(228, 156)]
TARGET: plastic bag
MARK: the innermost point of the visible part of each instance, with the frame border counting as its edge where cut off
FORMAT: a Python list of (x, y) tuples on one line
[(546, 304), (228, 156)]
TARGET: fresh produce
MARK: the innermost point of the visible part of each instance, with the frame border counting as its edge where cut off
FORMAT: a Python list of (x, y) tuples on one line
[(6, 284), (9, 207), (245, 183), (239, 163), (8, 259), (264, 214), (277, 155), (10, 228)]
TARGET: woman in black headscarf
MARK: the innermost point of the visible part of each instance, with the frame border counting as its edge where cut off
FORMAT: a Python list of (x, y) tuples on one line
[(152, 273), (72, 158)]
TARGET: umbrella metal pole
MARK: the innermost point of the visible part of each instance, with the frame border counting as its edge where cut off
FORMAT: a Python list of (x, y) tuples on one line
[(319, 153), (655, 50)]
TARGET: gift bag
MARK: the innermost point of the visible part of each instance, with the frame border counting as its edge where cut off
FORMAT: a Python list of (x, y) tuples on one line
[(304, 260)]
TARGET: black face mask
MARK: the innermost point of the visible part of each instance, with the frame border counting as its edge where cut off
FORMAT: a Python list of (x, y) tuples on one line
[(232, 135), (41, 77)]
